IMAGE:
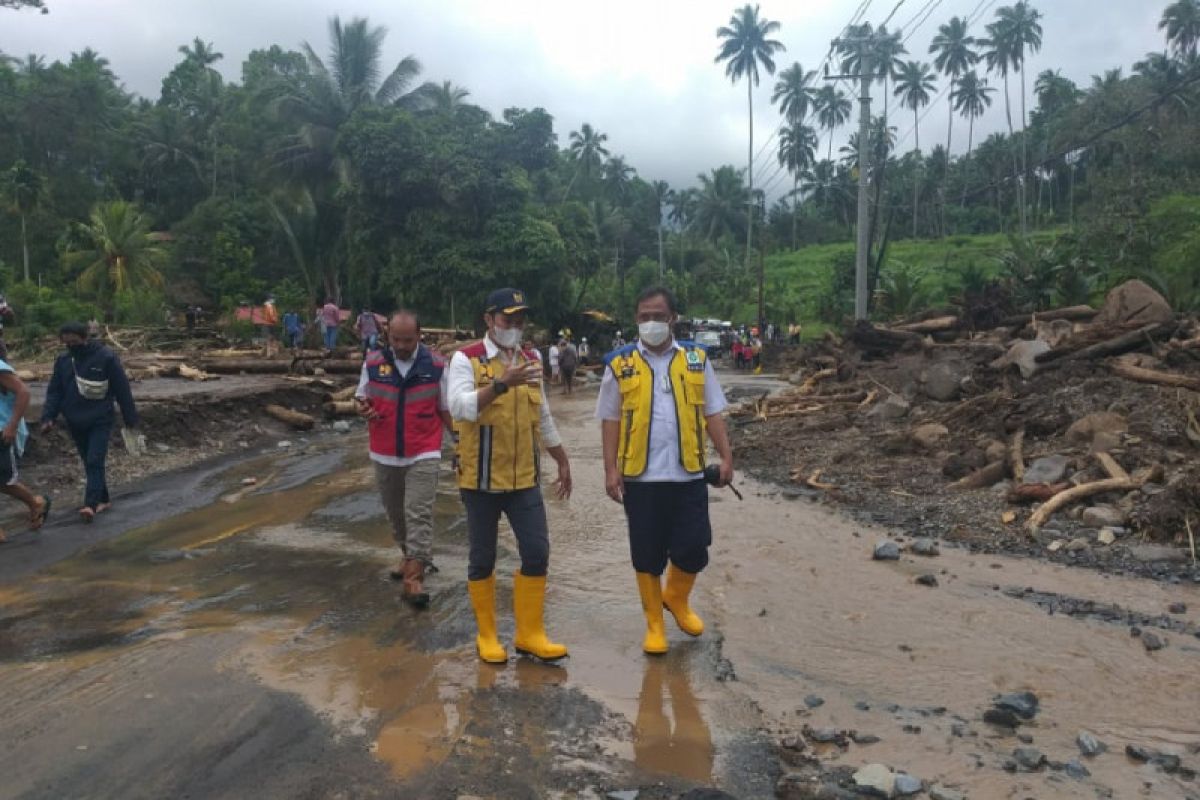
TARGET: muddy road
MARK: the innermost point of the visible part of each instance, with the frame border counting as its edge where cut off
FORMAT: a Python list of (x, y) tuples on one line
[(216, 640)]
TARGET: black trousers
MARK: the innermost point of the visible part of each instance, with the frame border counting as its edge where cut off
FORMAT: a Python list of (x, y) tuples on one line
[(668, 520), (526, 514)]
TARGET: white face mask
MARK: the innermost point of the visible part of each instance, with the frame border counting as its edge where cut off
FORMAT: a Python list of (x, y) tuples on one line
[(654, 333), (508, 338)]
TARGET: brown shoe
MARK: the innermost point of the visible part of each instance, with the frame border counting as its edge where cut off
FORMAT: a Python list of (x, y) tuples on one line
[(413, 570)]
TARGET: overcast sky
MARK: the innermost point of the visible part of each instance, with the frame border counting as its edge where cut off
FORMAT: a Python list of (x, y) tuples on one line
[(641, 71)]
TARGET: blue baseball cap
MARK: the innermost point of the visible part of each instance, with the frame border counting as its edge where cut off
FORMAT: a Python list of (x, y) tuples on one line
[(506, 301)]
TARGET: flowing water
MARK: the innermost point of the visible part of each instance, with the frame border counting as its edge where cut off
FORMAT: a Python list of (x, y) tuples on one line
[(256, 643)]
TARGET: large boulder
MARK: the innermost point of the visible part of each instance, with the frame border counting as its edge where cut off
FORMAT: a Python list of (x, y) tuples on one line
[(1132, 304)]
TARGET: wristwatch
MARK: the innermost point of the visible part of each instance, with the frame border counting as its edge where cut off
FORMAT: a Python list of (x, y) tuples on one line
[(499, 387)]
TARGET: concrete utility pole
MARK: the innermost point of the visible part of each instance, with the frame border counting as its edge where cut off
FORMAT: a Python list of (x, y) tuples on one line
[(862, 239)]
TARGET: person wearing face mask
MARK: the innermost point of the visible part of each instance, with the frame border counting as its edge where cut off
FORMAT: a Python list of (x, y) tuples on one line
[(503, 421), (86, 381), (658, 398), (401, 394)]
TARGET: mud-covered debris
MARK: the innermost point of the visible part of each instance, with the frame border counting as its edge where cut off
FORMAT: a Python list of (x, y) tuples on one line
[(927, 580), (813, 701), (1177, 608), (1075, 769), (1104, 516)]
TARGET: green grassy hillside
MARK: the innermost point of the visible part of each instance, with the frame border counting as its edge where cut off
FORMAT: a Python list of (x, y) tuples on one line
[(798, 283)]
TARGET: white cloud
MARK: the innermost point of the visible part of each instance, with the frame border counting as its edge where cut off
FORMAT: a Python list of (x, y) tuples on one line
[(642, 71)]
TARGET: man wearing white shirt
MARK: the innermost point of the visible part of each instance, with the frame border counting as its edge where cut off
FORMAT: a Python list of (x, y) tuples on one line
[(402, 395), (503, 420), (658, 398)]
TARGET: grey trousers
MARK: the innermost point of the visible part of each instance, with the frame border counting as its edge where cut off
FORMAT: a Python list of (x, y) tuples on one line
[(526, 514), (408, 494)]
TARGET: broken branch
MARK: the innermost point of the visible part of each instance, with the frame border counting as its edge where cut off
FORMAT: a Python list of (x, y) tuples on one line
[(1063, 499)]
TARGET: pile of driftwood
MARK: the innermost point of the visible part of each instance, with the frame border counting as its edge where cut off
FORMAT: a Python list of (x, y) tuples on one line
[(1135, 336)]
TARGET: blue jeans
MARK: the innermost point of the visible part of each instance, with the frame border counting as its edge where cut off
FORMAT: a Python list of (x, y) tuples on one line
[(92, 444), (331, 338)]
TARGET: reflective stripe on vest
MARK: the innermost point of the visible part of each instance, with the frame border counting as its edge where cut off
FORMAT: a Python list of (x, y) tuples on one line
[(500, 450), (637, 384)]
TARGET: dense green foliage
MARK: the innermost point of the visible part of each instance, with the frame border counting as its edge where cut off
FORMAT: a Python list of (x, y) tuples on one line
[(343, 176)]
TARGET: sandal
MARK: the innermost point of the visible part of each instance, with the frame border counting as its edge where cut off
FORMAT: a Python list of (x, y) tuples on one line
[(87, 514), (37, 520)]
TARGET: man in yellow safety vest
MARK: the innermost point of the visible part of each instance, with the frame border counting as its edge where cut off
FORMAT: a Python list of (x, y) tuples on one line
[(503, 420), (658, 399)]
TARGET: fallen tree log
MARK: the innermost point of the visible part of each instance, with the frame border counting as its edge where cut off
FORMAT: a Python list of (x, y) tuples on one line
[(981, 478), (874, 341), (296, 419), (340, 408), (810, 383), (1072, 313), (346, 393), (1063, 499), (266, 366), (935, 325), (1132, 372), (1130, 340)]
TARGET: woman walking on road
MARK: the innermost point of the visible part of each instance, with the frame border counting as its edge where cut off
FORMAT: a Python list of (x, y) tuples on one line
[(86, 381), (14, 399)]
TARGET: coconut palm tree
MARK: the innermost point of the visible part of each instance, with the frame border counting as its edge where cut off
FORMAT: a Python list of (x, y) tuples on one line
[(683, 214), (833, 111), (617, 176), (335, 89), (955, 55), (24, 190), (120, 253), (745, 45), (1181, 21), (441, 98), (721, 203), (662, 196), (587, 151), (797, 148), (1015, 31), (971, 98), (794, 92), (1163, 76), (914, 85)]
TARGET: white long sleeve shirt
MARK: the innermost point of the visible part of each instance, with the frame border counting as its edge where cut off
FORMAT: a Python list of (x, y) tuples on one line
[(464, 399)]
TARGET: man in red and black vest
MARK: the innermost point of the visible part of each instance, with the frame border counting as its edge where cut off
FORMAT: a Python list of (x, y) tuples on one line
[(402, 395)]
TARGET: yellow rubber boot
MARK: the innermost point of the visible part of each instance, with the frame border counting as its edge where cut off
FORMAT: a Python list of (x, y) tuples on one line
[(675, 598), (650, 588), (483, 600), (529, 599)]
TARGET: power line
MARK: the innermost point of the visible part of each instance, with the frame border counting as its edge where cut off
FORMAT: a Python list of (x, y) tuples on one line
[(920, 11), (924, 19), (889, 16)]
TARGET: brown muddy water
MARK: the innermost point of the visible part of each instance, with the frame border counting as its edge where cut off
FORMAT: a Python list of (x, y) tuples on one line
[(254, 646)]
